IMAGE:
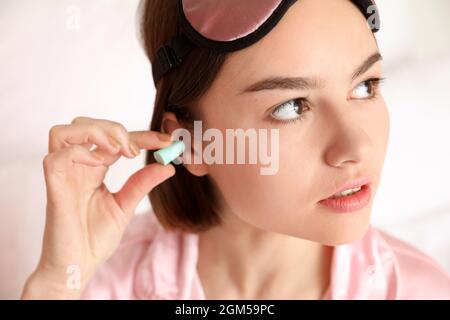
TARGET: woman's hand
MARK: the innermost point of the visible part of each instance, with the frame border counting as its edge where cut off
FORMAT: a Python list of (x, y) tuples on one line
[(84, 220)]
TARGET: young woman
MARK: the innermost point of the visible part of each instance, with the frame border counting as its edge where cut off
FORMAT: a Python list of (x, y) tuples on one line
[(225, 231)]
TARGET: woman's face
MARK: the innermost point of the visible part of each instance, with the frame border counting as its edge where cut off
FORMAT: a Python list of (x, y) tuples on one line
[(333, 132)]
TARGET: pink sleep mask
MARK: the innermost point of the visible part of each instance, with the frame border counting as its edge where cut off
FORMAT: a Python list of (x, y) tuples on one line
[(229, 25)]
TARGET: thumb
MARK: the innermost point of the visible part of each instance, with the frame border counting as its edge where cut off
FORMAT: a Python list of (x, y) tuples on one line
[(140, 184)]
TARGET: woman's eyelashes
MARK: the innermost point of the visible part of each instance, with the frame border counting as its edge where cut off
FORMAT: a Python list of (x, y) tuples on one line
[(293, 110), (289, 112), (367, 89)]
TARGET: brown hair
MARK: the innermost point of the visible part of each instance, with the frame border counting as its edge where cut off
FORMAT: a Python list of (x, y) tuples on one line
[(185, 201)]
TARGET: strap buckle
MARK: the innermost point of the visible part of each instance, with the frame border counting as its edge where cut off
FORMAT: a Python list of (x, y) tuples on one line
[(168, 57)]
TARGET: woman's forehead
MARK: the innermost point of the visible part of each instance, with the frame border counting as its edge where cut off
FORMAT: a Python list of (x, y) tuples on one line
[(306, 42)]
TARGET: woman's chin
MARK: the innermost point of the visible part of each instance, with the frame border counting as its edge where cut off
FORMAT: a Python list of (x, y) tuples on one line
[(340, 236), (337, 232)]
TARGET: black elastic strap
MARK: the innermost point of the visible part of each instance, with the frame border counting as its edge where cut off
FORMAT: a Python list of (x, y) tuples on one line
[(170, 55), (363, 6)]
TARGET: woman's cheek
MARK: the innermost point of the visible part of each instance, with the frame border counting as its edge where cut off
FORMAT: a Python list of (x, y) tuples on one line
[(269, 198), (238, 184)]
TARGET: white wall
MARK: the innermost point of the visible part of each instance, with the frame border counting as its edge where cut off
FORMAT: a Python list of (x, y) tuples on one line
[(413, 201), (414, 29)]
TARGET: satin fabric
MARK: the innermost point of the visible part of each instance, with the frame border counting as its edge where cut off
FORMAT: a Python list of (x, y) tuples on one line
[(228, 20), (151, 263)]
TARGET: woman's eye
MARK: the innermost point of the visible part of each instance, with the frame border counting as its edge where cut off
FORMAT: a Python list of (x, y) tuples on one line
[(289, 111), (366, 89)]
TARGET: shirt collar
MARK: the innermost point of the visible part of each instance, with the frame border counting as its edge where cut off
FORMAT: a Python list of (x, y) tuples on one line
[(364, 269)]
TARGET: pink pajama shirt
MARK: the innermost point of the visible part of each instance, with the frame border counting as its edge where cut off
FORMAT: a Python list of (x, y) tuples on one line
[(151, 263)]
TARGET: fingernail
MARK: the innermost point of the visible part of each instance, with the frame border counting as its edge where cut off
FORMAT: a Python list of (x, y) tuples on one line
[(115, 143), (164, 137), (134, 149), (178, 161)]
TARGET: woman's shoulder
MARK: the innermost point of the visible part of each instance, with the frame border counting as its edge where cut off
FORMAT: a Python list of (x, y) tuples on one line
[(114, 279), (418, 275)]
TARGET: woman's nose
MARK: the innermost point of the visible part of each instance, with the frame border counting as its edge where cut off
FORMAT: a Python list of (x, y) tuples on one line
[(349, 143)]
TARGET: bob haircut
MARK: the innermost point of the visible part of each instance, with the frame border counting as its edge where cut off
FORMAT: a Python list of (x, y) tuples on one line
[(183, 202)]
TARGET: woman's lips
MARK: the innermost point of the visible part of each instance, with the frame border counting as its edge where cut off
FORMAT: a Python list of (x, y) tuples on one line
[(349, 203), (352, 184)]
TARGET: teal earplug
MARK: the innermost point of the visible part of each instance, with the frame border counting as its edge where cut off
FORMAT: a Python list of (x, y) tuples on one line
[(171, 153)]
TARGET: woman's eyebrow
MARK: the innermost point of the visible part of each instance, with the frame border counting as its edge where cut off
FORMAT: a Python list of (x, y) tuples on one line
[(369, 62), (298, 83)]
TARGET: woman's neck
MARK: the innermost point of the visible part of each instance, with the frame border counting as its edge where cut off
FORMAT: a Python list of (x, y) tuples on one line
[(239, 261)]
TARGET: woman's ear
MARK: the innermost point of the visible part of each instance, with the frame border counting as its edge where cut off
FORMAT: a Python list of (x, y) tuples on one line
[(169, 124)]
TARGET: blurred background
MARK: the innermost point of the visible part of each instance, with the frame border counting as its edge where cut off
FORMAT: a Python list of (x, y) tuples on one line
[(60, 59)]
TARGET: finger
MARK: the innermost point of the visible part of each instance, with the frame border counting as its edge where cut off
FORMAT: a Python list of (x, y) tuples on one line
[(62, 136), (140, 184), (110, 158), (143, 140), (150, 140), (115, 130), (64, 159), (140, 139)]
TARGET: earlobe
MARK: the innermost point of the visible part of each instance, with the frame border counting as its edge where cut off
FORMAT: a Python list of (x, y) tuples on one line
[(198, 170)]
